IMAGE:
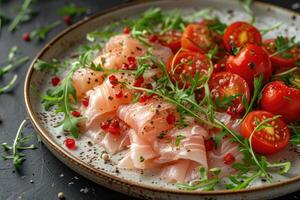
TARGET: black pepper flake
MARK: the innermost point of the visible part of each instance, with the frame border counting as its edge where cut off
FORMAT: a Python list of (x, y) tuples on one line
[(110, 98), (251, 65), (294, 17)]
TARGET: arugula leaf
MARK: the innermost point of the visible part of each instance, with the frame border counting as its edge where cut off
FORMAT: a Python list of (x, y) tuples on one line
[(246, 4), (18, 144), (283, 44), (63, 97), (25, 14), (206, 13), (295, 130), (203, 182), (226, 101), (244, 183), (10, 85), (41, 32), (3, 20), (54, 66), (72, 10), (217, 26), (178, 139), (219, 137), (267, 30), (258, 84)]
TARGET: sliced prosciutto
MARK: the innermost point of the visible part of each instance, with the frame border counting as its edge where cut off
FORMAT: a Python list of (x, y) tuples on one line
[(104, 101), (180, 171), (140, 154), (216, 157), (121, 51), (148, 119), (186, 143)]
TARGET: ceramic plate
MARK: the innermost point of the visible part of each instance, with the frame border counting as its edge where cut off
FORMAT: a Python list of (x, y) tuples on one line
[(86, 160)]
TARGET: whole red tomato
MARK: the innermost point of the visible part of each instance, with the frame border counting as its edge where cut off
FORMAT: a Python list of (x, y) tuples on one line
[(269, 138), (251, 61), (281, 99)]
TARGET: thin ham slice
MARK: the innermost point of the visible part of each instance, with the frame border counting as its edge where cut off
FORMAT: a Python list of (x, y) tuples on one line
[(147, 119), (115, 143), (120, 47), (140, 154), (216, 156), (191, 145)]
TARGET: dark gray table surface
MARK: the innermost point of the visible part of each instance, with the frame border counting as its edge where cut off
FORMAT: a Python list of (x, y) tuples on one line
[(42, 175)]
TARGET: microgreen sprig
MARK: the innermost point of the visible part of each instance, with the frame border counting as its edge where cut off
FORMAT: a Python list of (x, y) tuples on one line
[(40, 33), (24, 15), (72, 10), (203, 183), (18, 144)]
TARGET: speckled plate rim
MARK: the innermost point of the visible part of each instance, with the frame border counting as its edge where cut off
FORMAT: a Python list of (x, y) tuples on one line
[(84, 166)]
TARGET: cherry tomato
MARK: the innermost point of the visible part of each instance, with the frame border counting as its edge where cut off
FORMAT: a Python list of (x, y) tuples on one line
[(197, 37), (284, 60), (240, 33), (251, 61), (281, 99), (225, 85), (171, 39), (271, 137), (220, 65), (186, 64)]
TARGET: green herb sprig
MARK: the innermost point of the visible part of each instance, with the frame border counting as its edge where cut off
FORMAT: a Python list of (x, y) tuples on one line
[(72, 10), (283, 44), (25, 14), (19, 144), (203, 183), (40, 33)]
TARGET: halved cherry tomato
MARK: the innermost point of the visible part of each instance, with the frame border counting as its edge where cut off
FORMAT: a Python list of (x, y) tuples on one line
[(284, 60), (171, 39), (240, 33), (226, 85), (185, 65), (251, 61), (198, 37), (269, 138), (281, 99)]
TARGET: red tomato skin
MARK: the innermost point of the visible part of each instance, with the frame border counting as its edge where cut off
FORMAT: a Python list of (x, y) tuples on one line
[(239, 86), (279, 63), (251, 61), (171, 39), (187, 71), (235, 30), (258, 145), (198, 38), (281, 99)]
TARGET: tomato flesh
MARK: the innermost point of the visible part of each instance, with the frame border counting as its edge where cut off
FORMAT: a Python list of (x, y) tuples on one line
[(281, 99), (185, 65), (226, 84), (251, 61), (197, 37), (283, 61), (270, 138), (240, 33), (171, 39)]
